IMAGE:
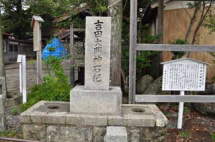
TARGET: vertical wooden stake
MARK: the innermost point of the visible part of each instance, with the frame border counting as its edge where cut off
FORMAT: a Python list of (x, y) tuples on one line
[(20, 78), (72, 60), (39, 67), (36, 24), (19, 61), (180, 113)]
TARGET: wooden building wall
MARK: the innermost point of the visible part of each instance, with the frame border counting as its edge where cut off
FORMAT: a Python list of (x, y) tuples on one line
[(176, 23)]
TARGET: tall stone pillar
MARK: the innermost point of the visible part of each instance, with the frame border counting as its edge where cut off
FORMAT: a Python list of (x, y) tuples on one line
[(97, 96)]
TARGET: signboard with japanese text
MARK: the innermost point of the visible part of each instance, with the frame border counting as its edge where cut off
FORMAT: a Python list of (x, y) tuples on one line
[(184, 75)]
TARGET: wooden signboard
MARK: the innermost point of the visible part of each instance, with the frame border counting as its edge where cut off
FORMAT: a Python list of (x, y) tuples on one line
[(36, 23), (184, 75)]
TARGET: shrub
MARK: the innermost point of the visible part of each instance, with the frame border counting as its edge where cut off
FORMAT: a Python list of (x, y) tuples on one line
[(55, 86)]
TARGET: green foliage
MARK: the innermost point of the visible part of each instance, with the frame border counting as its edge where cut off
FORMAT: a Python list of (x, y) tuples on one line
[(210, 23), (8, 134), (180, 41), (98, 6), (213, 136), (144, 59), (55, 86), (184, 134), (15, 19), (187, 110), (179, 54), (15, 111)]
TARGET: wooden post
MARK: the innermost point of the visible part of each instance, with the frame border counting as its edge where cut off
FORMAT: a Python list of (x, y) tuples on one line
[(19, 61), (22, 77), (36, 23), (160, 19), (71, 50), (24, 92), (180, 113), (39, 67), (132, 50), (115, 11), (1, 55)]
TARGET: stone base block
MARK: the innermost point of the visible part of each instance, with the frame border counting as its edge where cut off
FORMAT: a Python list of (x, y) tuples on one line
[(53, 122), (116, 134), (84, 101)]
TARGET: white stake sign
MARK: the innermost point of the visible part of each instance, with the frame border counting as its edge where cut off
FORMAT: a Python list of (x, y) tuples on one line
[(22, 77), (184, 75)]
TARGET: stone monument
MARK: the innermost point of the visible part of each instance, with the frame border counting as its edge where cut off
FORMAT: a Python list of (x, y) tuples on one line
[(96, 107), (97, 96)]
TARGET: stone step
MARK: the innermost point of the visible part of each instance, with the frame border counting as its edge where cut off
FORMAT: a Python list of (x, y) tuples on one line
[(116, 134)]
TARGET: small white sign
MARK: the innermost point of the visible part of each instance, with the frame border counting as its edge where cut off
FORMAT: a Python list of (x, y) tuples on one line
[(184, 75), (21, 59)]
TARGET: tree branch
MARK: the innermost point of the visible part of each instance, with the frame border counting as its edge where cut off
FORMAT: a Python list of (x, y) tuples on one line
[(202, 18)]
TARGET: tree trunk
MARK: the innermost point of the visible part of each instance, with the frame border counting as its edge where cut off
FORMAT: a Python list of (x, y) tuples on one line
[(192, 20), (204, 14), (161, 19), (115, 11)]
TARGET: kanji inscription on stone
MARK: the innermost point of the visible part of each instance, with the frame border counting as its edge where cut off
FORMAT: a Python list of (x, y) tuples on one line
[(97, 53), (184, 75)]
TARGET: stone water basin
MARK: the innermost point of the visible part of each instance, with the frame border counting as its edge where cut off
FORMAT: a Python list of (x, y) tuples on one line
[(148, 115)]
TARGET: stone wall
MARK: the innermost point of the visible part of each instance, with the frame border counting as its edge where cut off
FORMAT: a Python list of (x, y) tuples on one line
[(69, 133)]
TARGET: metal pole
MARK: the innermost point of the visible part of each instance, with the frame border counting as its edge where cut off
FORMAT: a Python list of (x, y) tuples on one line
[(132, 50)]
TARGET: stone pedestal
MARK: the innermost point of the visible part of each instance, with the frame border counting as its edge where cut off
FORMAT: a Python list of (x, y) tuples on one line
[(116, 134), (53, 122), (2, 117), (84, 101)]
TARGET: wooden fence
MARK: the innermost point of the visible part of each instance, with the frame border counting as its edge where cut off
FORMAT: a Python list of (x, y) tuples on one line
[(134, 47)]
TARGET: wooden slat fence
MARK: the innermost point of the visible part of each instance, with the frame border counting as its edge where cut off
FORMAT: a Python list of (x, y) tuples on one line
[(134, 47)]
